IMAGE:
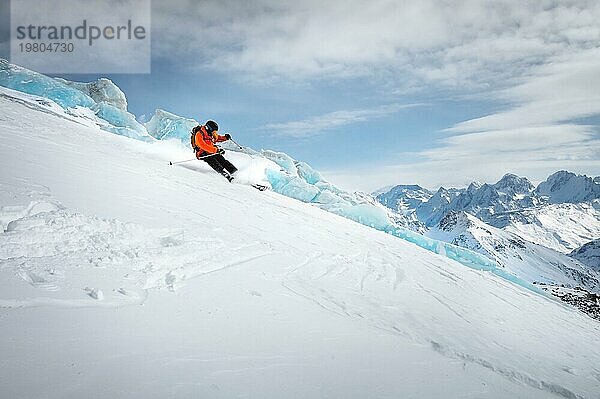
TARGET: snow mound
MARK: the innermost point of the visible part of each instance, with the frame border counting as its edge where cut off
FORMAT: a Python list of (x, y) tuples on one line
[(58, 254), (15, 212)]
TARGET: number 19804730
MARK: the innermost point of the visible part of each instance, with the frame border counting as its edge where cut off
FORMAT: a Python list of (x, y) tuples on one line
[(52, 47)]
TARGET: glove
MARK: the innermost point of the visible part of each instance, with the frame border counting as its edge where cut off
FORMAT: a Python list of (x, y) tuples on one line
[(220, 151), (227, 136)]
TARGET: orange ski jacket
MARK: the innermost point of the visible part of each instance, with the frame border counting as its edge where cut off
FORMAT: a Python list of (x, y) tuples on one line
[(205, 142)]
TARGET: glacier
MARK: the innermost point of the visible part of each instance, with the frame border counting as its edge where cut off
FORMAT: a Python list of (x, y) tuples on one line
[(72, 95), (120, 122), (21, 79), (164, 125), (101, 90), (291, 178)]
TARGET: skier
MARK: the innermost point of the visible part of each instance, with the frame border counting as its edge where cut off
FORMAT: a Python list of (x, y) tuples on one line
[(203, 141)]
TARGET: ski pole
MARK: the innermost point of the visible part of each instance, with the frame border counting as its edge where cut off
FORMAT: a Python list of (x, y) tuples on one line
[(193, 159), (234, 142), (187, 160), (242, 148)]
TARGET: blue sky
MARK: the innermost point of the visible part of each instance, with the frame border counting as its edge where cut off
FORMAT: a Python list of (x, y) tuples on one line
[(385, 92)]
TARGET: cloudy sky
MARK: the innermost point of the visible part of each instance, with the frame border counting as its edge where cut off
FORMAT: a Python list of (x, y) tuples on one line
[(381, 92)]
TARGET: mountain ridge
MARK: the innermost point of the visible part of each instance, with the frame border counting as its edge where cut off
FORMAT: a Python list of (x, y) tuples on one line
[(561, 212), (510, 193)]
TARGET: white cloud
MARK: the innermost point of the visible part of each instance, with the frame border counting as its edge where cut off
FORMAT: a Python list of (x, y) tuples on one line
[(533, 137), (566, 88), (532, 141), (321, 123), (539, 59), (448, 43), (534, 152)]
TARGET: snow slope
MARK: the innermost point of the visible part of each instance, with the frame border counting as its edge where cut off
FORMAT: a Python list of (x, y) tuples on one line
[(103, 104), (562, 227), (527, 260), (121, 276)]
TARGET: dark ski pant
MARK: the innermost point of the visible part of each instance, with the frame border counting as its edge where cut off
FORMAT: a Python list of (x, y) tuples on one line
[(221, 165)]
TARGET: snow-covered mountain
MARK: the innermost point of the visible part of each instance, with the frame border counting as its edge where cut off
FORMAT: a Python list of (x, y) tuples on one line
[(494, 203), (477, 199), (588, 254), (561, 213), (562, 227), (427, 211), (514, 187), (566, 187), (486, 201), (404, 198), (122, 276), (529, 261)]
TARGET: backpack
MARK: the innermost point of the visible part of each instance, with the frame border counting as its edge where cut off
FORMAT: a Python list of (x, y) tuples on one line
[(195, 130)]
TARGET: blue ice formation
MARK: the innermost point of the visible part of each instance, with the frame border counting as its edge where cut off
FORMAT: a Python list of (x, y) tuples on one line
[(165, 125), (120, 122), (67, 94), (298, 180), (102, 90), (26, 81)]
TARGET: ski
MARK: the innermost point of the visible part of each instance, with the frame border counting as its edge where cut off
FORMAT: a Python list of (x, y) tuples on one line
[(260, 187)]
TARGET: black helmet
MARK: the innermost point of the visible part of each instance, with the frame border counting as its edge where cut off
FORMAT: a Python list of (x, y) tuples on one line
[(211, 126)]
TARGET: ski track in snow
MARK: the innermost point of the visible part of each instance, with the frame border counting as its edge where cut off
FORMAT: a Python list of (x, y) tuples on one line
[(60, 253), (372, 288)]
